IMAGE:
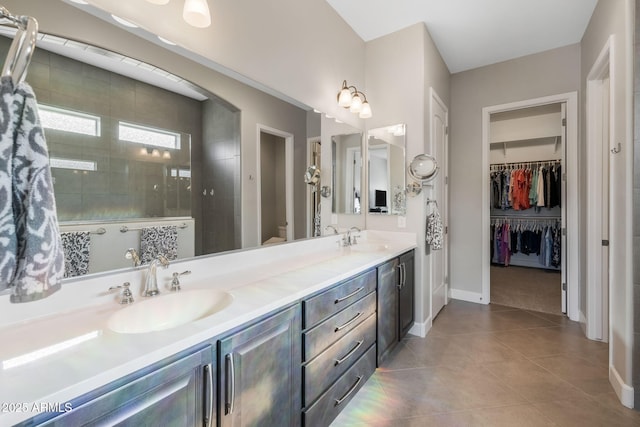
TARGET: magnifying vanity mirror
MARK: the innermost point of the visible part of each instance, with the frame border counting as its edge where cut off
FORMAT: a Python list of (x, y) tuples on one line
[(386, 156), (346, 161)]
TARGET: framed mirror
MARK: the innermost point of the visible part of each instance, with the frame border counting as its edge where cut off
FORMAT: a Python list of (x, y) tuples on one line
[(346, 162), (386, 160)]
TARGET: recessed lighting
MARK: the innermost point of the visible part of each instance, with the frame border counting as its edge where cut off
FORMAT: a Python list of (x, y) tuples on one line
[(124, 22), (169, 42)]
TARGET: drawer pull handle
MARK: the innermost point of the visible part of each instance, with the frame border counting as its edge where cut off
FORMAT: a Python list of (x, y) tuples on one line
[(208, 418), (231, 385), (351, 390), (339, 328), (348, 355), (346, 297)]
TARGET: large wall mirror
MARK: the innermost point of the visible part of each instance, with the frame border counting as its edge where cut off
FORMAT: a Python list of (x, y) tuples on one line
[(133, 146), (386, 157), (346, 167)]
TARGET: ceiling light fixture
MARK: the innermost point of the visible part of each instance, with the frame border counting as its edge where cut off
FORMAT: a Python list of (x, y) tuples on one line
[(350, 97), (195, 12), (123, 22)]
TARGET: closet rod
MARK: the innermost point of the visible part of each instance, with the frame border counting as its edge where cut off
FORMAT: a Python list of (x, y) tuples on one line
[(526, 162), (527, 218)]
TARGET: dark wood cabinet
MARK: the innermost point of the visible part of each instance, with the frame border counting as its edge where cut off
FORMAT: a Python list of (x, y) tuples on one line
[(259, 372), (181, 392), (388, 331), (406, 291), (396, 289)]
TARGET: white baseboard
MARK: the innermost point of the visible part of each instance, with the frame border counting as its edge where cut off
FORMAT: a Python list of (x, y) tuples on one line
[(624, 392), (421, 329), (466, 296)]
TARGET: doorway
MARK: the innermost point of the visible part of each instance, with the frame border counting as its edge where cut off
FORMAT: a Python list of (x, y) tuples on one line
[(511, 151), (275, 188), (599, 137), (440, 148)]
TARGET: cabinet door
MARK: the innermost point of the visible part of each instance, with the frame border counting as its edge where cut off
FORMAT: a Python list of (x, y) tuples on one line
[(387, 308), (178, 394), (406, 295), (260, 373)]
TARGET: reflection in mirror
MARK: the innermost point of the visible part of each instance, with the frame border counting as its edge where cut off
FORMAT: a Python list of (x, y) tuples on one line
[(386, 154), (346, 161)]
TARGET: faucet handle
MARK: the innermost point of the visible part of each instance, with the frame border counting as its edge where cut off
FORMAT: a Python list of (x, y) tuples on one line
[(175, 282), (127, 296), (132, 254)]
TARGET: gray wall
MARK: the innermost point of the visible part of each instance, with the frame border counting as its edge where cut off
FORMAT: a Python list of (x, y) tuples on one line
[(548, 73), (272, 185)]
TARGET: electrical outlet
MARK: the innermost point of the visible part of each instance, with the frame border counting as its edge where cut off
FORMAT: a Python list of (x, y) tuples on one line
[(402, 222)]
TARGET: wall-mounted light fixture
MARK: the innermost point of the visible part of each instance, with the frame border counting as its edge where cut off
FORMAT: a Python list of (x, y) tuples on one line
[(195, 12), (350, 97)]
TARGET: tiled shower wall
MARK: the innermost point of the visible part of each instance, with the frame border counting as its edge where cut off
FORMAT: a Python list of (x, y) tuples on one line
[(636, 213)]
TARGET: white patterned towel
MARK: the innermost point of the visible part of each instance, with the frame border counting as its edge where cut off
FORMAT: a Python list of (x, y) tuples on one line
[(156, 241), (434, 230), (31, 258), (76, 246)]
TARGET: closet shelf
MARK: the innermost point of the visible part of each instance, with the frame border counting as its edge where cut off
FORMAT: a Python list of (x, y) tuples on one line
[(550, 140)]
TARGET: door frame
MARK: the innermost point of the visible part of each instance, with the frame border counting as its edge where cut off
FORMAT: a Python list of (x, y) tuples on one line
[(444, 207), (288, 153), (570, 218), (596, 319)]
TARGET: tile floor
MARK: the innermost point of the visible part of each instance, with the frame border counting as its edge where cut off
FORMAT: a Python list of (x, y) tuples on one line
[(491, 365)]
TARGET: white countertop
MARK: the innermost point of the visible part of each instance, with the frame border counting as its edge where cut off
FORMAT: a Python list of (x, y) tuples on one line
[(260, 280)]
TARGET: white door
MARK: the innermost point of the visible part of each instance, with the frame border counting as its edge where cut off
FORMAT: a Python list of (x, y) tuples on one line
[(603, 323), (563, 203), (439, 258)]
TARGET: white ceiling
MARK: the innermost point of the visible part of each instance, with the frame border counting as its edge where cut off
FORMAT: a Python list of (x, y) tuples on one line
[(474, 33)]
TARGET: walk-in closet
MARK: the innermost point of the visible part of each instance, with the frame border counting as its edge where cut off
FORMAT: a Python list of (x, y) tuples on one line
[(527, 199)]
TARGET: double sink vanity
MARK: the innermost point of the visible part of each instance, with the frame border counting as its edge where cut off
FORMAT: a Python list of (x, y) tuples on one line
[(275, 336)]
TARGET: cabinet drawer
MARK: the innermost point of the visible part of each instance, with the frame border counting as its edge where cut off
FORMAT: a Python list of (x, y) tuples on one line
[(319, 307), (337, 326), (322, 371), (327, 408)]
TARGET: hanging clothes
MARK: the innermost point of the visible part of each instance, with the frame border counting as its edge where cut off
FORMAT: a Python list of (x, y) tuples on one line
[(539, 237), (32, 259), (525, 186)]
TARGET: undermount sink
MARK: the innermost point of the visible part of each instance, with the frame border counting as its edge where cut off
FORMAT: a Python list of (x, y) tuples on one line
[(168, 311), (369, 247)]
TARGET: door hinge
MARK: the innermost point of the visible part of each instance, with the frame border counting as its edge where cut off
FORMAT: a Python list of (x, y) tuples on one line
[(446, 180), (605, 243), (564, 286), (564, 177), (564, 122), (446, 130), (446, 229), (564, 231)]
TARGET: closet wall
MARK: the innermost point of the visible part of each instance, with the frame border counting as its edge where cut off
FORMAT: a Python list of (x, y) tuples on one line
[(528, 139)]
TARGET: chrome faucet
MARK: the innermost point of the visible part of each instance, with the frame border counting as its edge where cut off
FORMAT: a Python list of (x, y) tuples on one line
[(335, 231), (132, 254), (151, 281), (348, 239)]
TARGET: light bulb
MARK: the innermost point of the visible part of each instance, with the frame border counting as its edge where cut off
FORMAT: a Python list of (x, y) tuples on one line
[(356, 103), (365, 112), (196, 13), (344, 96)]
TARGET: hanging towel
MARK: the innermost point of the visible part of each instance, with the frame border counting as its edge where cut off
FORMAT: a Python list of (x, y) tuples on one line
[(76, 246), (162, 240), (434, 230), (31, 257)]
